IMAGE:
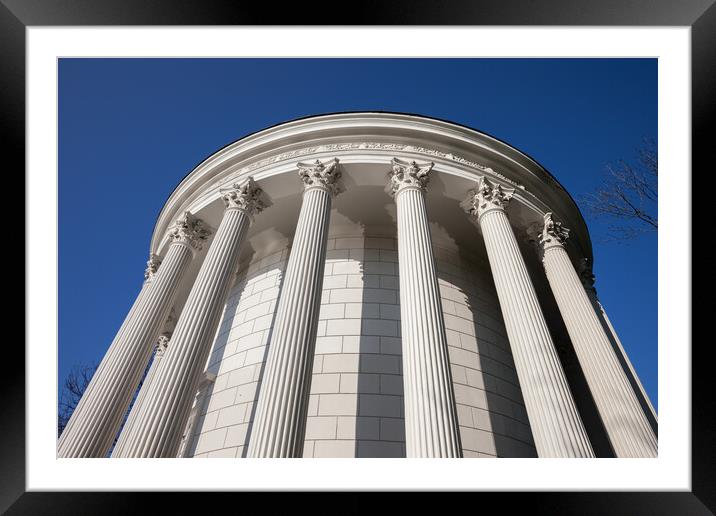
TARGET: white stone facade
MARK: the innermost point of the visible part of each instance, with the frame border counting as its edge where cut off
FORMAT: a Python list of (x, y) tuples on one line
[(356, 401), (363, 285)]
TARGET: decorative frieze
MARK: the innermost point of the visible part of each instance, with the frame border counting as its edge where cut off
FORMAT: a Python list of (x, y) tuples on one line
[(284, 156), (380, 146), (189, 230), (408, 175), (321, 175)]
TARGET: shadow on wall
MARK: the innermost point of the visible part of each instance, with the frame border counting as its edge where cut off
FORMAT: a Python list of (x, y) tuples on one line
[(380, 423), (378, 383), (630, 373), (196, 418), (203, 397), (262, 366), (506, 416), (201, 400), (570, 364), (225, 348)]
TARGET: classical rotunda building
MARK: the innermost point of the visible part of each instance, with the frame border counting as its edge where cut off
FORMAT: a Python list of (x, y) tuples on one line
[(366, 285)]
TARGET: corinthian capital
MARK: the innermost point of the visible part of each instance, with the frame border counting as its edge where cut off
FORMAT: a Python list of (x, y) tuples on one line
[(586, 275), (553, 233), (321, 175), (162, 344), (247, 197), (152, 266), (171, 322), (486, 196), (189, 230), (412, 174)]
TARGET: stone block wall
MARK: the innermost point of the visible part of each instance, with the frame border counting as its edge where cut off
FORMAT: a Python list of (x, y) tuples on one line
[(356, 404), (237, 358), (356, 399), (491, 412)]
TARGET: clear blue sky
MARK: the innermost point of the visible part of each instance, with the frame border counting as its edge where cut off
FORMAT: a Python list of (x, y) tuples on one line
[(131, 129)]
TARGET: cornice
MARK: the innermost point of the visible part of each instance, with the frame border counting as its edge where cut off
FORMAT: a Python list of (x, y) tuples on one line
[(381, 136)]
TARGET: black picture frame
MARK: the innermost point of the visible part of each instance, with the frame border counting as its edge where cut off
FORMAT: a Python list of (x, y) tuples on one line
[(700, 15)]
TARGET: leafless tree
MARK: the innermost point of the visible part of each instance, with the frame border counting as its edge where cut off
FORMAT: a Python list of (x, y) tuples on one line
[(628, 195), (74, 386)]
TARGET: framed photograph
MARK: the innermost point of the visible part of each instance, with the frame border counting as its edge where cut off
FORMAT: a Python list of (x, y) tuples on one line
[(419, 253)]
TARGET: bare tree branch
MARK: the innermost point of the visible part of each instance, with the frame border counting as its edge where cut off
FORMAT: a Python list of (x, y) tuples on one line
[(73, 387), (628, 195)]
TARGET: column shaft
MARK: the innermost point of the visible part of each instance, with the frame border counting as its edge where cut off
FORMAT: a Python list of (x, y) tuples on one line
[(280, 419), (430, 415), (626, 424), (556, 426), (131, 419), (98, 416), (163, 411), (203, 397), (627, 367)]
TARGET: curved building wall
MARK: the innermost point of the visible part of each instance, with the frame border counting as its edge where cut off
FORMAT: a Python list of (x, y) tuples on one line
[(226, 411), (583, 390), (491, 412), (356, 406), (356, 400)]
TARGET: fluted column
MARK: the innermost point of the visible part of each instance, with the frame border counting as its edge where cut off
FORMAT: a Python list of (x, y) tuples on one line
[(587, 277), (626, 424), (159, 352), (280, 419), (556, 426), (584, 270), (98, 416), (203, 396), (431, 428), (163, 411)]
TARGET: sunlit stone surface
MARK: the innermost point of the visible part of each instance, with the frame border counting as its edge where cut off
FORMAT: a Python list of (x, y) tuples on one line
[(316, 316)]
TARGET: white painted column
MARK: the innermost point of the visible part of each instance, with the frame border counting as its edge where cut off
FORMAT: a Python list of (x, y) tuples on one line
[(164, 409), (159, 352), (628, 429), (99, 414), (584, 270), (204, 388), (556, 426), (431, 428), (282, 406)]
